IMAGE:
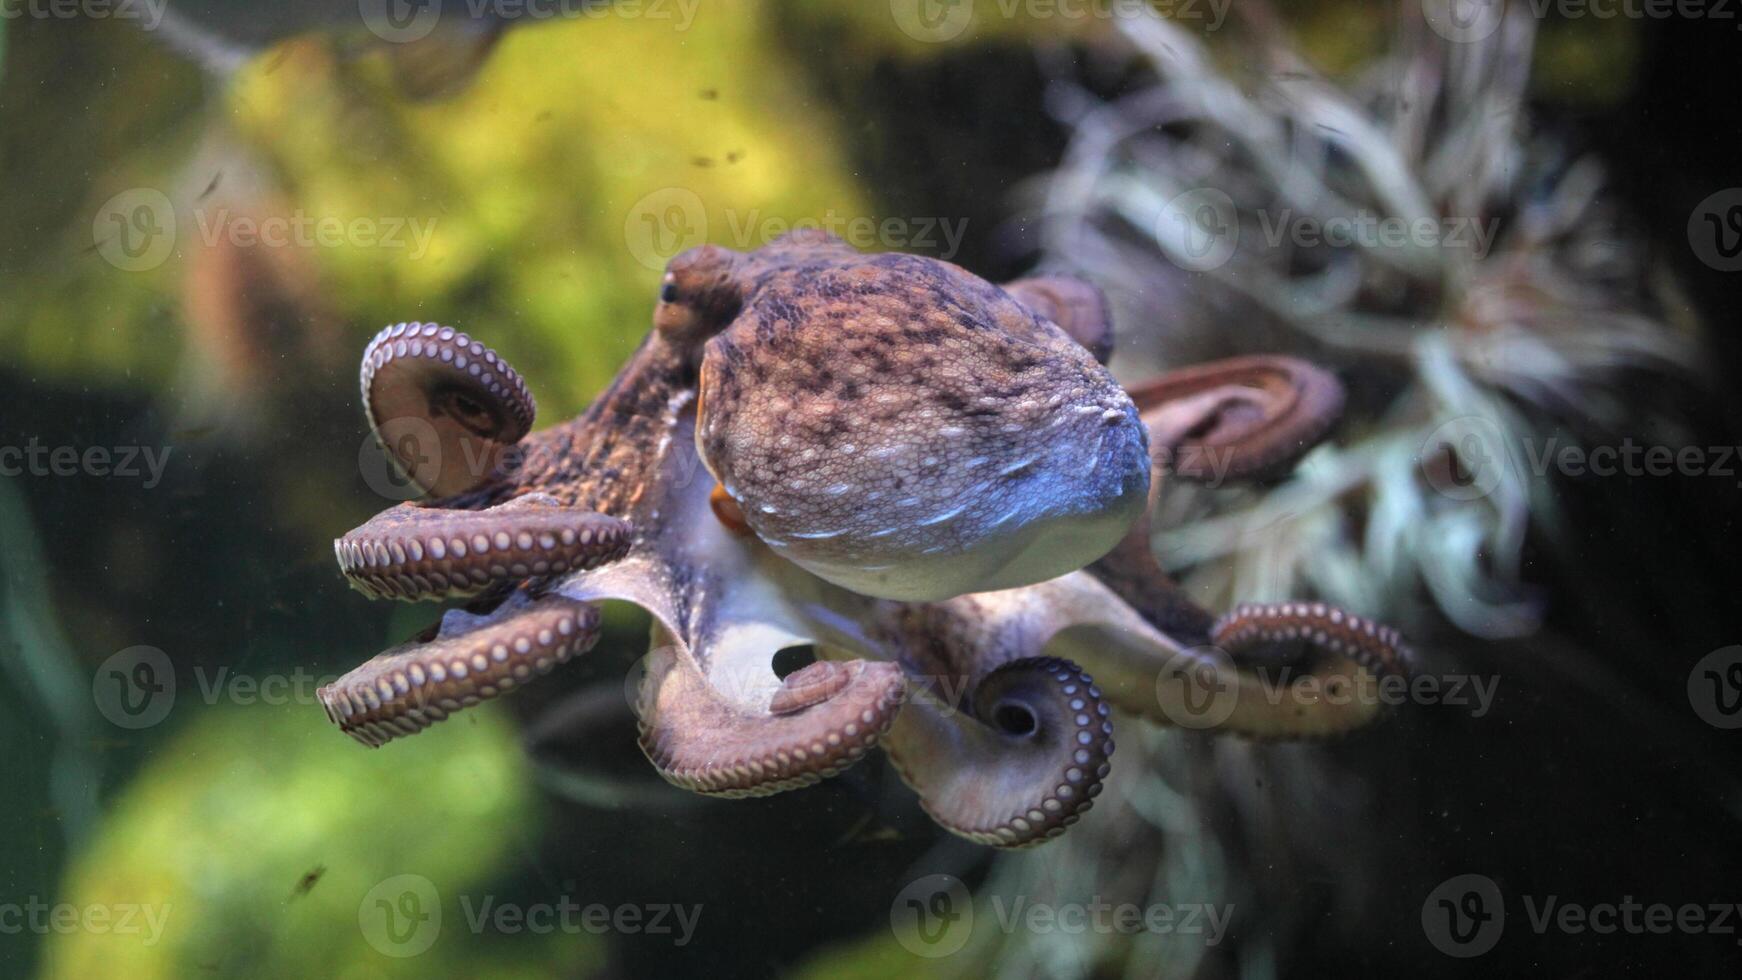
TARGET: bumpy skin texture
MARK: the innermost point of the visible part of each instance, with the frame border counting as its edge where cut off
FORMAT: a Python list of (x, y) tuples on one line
[(984, 701), (1017, 460)]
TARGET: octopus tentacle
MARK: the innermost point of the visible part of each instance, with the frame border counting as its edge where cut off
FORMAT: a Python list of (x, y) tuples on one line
[(423, 379), (1025, 764), (1335, 693), (1076, 305), (416, 552), (823, 719), (1244, 417), (1374, 647), (1011, 744), (414, 685)]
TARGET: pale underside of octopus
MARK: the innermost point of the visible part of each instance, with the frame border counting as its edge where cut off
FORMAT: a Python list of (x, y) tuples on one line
[(799, 415)]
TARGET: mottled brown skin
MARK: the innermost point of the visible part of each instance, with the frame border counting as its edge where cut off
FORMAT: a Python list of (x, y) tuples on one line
[(1010, 742), (1018, 458)]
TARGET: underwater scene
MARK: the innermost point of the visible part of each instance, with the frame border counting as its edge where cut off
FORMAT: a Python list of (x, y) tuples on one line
[(1070, 489)]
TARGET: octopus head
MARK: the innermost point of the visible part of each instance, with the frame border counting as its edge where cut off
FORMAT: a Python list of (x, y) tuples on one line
[(907, 430)]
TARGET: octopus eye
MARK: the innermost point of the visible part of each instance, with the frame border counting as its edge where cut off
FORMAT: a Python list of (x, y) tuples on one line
[(668, 293), (469, 411)]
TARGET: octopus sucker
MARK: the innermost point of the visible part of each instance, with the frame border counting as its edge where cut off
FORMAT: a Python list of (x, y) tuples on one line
[(709, 746), (1025, 763), (416, 552), (424, 379), (929, 478), (413, 685)]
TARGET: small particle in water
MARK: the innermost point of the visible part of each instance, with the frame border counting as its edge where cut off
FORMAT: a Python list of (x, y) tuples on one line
[(709, 94), (703, 162), (307, 882)]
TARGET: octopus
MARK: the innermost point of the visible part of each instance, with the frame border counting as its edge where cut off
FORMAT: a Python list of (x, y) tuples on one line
[(929, 480)]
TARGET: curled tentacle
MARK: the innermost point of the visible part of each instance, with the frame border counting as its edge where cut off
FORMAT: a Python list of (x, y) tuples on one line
[(1023, 765), (1376, 648), (414, 685), (822, 720), (1222, 686), (1076, 305), (424, 380), (1237, 418), (415, 552)]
